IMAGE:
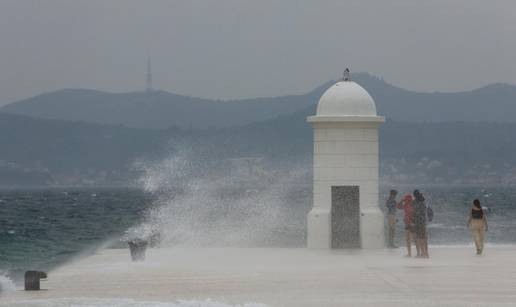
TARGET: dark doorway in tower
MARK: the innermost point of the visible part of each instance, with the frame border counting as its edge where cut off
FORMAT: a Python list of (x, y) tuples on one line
[(345, 217)]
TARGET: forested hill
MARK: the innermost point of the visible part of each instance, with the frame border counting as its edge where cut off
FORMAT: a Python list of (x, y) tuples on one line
[(159, 109), (40, 152)]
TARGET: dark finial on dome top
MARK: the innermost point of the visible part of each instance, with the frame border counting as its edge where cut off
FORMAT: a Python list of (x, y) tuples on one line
[(345, 75)]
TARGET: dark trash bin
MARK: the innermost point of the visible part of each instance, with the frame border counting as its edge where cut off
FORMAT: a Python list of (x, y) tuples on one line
[(137, 249), (32, 280)]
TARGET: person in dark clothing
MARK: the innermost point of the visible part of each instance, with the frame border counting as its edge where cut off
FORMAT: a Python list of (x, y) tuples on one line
[(420, 219), (391, 203), (477, 223)]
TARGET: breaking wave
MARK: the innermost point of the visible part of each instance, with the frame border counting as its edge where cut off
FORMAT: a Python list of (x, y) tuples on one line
[(238, 202), (6, 284)]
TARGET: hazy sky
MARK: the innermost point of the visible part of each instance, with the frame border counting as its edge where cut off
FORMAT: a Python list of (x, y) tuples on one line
[(238, 48)]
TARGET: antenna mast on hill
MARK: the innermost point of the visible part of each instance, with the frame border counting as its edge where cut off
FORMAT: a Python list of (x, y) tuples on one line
[(149, 76)]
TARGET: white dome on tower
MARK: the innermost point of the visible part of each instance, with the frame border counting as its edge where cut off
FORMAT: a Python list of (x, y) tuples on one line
[(346, 98)]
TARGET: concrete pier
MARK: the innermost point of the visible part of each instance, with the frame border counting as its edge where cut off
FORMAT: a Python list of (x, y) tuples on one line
[(453, 276)]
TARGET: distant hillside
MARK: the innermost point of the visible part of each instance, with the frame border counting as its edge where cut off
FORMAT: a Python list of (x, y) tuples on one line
[(460, 143), (437, 153), (37, 152), (158, 110), (492, 103)]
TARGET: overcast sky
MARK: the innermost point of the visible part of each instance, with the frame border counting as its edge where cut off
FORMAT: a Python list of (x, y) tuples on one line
[(238, 48)]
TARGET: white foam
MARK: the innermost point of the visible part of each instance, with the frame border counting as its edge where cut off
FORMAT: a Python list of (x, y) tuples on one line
[(6, 284), (94, 302), (237, 205)]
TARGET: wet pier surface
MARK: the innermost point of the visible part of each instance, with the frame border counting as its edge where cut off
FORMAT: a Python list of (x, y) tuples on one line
[(453, 276)]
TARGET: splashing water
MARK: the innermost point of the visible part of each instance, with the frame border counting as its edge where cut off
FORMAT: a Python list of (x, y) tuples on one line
[(6, 284), (238, 202)]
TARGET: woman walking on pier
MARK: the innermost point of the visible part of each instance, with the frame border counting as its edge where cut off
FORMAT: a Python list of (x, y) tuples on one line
[(477, 223)]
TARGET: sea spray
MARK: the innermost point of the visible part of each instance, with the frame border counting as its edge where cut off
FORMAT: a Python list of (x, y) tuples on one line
[(234, 202), (6, 283)]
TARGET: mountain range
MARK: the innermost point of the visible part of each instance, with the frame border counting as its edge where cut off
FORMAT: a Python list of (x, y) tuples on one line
[(91, 138), (160, 109)]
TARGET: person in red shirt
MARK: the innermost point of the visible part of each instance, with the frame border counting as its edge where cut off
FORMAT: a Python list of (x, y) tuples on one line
[(408, 208)]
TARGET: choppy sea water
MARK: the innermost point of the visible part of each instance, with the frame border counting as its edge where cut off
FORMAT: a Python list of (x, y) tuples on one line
[(40, 229)]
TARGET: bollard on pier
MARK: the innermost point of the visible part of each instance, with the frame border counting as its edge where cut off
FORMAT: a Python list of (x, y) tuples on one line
[(137, 248)]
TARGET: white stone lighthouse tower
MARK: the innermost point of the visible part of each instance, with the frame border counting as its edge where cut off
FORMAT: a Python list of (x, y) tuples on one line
[(345, 211)]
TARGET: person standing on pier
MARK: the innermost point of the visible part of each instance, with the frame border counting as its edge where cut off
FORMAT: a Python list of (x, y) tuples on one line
[(477, 223), (420, 220), (391, 204), (407, 206)]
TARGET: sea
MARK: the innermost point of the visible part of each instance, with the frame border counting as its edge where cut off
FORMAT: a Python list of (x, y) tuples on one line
[(44, 228)]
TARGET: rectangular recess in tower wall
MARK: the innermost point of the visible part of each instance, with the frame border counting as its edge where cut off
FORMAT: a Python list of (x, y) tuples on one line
[(345, 217)]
